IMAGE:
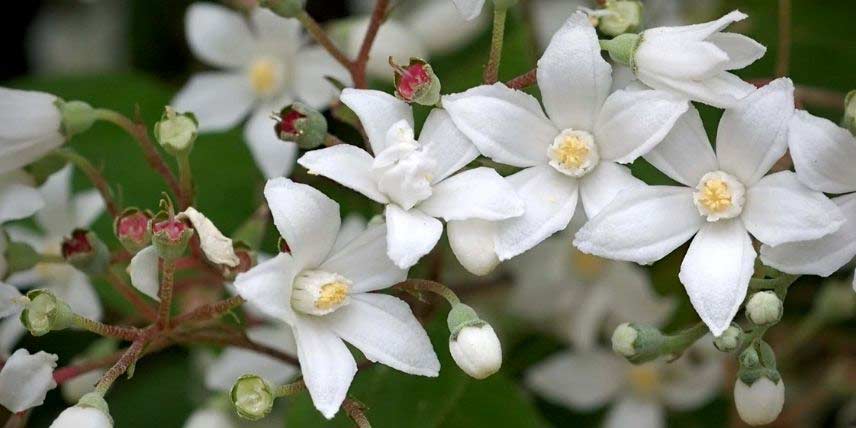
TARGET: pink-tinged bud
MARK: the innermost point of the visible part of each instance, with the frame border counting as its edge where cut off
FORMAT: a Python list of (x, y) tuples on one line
[(132, 229), (298, 123), (170, 236), (76, 245), (86, 252), (416, 82)]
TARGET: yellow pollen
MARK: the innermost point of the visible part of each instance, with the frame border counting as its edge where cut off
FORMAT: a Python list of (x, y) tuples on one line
[(645, 379), (715, 196), (572, 151), (264, 76), (586, 264), (332, 294)]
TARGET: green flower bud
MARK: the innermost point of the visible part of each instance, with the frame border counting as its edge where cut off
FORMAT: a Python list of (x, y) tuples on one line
[(638, 343), (252, 397), (95, 401), (298, 123), (624, 16), (764, 308), (176, 132), (416, 83), (849, 120), (86, 252), (622, 48), (132, 229), (77, 117), (730, 339), (45, 312), (283, 8), (170, 236)]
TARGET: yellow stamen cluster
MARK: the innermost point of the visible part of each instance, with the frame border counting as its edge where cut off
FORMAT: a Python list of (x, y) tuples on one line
[(332, 295), (572, 151), (264, 76), (644, 379), (715, 196)]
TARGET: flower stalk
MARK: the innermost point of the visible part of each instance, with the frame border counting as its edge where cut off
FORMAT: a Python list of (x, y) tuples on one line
[(165, 292), (94, 176), (491, 70), (106, 330)]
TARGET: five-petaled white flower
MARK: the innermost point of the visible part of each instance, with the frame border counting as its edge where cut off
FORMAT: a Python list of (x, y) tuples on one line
[(573, 152), (726, 198), (266, 67), (26, 379), (325, 294), (695, 60), (823, 155), (30, 127), (414, 178)]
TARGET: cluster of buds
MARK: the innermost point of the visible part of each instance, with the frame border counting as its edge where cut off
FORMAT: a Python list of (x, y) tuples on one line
[(85, 251), (416, 82), (759, 391), (473, 343), (300, 124)]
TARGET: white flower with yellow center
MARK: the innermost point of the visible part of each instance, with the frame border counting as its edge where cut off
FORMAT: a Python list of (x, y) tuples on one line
[(324, 292), (727, 197), (571, 153), (267, 64), (417, 180)]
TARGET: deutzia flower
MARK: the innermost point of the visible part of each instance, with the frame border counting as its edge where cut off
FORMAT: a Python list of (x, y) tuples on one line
[(823, 155), (265, 68), (726, 198), (573, 152), (26, 379), (695, 60), (30, 127), (325, 295), (18, 197), (414, 178)]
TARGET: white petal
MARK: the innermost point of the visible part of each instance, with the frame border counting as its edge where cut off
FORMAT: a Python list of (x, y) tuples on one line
[(235, 362), (385, 330), (26, 116), (742, 51), (550, 199), (599, 187), (216, 246), (685, 155), (218, 100), (823, 153), (475, 193), (443, 142), (377, 111), (632, 123), (57, 216), (363, 260), (691, 385), (326, 364), (505, 124), (11, 331), (347, 165), (722, 90), (472, 241), (88, 205), (312, 65), (10, 300), (680, 58), (780, 209), (573, 76), (697, 31), (635, 412), (18, 201), (583, 381), (821, 256), (143, 271), (588, 318), (633, 297), (410, 235), (76, 289), (441, 27), (26, 379), (268, 286), (209, 418), (20, 153), (716, 272), (641, 225), (353, 225), (307, 219), (274, 157), (218, 36), (274, 35), (470, 9), (753, 134)]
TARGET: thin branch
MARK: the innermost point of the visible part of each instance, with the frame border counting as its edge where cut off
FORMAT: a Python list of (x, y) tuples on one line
[(165, 292), (126, 361), (67, 373), (524, 80), (323, 39), (106, 330), (359, 67), (210, 311), (130, 294), (491, 70), (94, 176)]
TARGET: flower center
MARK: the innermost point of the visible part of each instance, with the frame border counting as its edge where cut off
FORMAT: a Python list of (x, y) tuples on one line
[(317, 292), (644, 379), (403, 170), (266, 76), (573, 153), (719, 195)]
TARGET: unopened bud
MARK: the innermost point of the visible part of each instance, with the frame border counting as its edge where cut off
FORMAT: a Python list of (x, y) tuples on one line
[(764, 308), (729, 340), (170, 236), (621, 16), (298, 123), (416, 82), (176, 132), (90, 412), (283, 8), (83, 250), (476, 350), (638, 343), (849, 121), (45, 312), (835, 302), (760, 402), (622, 48), (77, 117), (132, 229), (252, 397)]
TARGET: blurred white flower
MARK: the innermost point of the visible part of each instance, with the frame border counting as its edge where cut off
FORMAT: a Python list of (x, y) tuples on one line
[(727, 197), (30, 127), (26, 379), (416, 180), (575, 150), (267, 64), (210, 418), (325, 295), (235, 362)]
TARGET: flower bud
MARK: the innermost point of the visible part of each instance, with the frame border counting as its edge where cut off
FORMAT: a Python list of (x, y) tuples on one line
[(764, 308), (283, 8), (622, 48), (638, 343), (622, 16), (760, 402), (77, 117), (132, 229), (835, 302), (90, 412), (301, 124), (20, 257), (476, 350), (252, 397), (45, 312), (849, 120), (170, 236), (416, 83), (86, 252), (176, 132), (729, 340)]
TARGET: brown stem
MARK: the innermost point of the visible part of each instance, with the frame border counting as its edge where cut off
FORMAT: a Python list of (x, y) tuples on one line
[(322, 38), (130, 294), (165, 293), (67, 373), (491, 70), (358, 70), (210, 311), (241, 342), (783, 54), (128, 358), (106, 330), (94, 176), (356, 411), (524, 80)]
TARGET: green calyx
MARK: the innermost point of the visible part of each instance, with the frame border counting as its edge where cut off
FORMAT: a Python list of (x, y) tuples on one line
[(252, 397), (648, 344), (626, 15), (45, 313), (461, 316), (622, 48), (301, 124), (756, 362), (96, 401), (77, 117), (176, 132)]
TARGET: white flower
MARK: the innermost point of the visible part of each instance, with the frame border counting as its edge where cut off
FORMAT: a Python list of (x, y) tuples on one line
[(210, 418), (62, 213), (26, 379), (144, 272), (18, 197), (266, 67), (30, 127), (573, 152), (379, 325), (414, 178), (216, 246), (476, 350), (590, 379), (80, 416), (695, 60), (234, 362), (645, 224), (823, 154), (11, 300), (760, 403)]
